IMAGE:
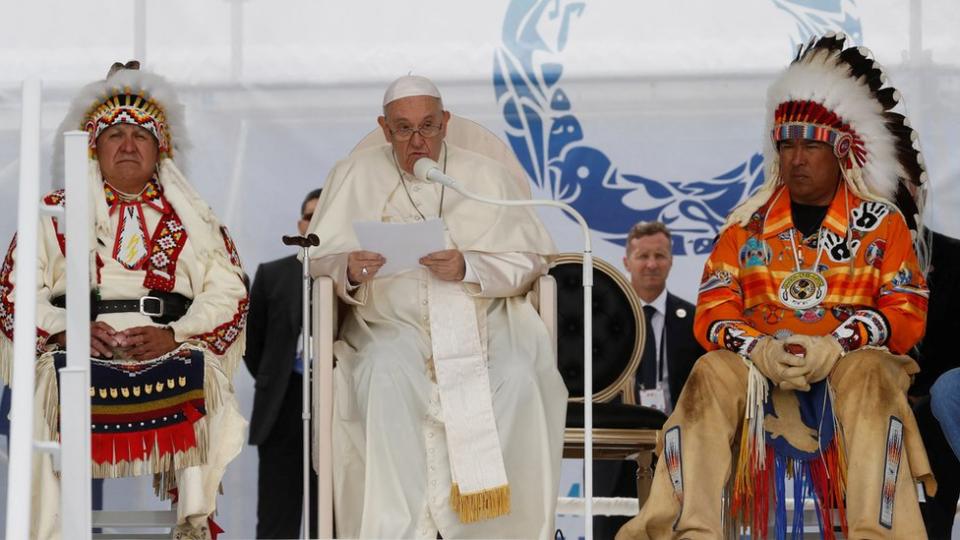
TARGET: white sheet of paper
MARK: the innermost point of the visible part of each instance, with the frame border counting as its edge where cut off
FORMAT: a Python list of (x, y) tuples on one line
[(402, 244)]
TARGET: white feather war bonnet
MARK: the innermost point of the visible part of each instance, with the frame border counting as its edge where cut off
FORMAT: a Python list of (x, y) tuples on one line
[(839, 96), (126, 96), (129, 95)]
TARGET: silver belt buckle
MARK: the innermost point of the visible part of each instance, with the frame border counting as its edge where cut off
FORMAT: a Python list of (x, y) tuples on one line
[(147, 302)]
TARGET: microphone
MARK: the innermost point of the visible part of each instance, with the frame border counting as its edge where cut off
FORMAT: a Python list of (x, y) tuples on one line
[(429, 170)]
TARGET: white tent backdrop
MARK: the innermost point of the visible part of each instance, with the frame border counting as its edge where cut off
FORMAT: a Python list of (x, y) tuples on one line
[(645, 109)]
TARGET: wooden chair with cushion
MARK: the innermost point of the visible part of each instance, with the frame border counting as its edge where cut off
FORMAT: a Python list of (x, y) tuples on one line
[(622, 430)]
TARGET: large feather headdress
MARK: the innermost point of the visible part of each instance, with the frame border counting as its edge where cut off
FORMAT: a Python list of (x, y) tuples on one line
[(126, 96), (839, 96), (129, 95)]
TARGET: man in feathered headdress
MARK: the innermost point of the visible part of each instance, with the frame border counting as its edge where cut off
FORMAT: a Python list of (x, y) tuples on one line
[(168, 309), (810, 300)]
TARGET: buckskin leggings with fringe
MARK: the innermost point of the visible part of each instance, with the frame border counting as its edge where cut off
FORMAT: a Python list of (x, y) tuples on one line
[(870, 388)]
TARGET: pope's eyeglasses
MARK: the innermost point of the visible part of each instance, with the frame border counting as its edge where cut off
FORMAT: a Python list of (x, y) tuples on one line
[(405, 133)]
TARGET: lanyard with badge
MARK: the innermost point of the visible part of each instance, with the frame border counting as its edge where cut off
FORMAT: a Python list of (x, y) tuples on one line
[(656, 397)]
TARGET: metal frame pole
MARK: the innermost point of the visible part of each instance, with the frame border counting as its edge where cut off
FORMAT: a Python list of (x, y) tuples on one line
[(305, 242), (587, 378), (305, 412)]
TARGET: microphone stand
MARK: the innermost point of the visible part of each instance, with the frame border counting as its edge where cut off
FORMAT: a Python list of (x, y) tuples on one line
[(304, 242), (427, 169)]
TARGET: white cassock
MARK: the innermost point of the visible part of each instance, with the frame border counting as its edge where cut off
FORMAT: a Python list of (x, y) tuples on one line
[(208, 272), (392, 462)]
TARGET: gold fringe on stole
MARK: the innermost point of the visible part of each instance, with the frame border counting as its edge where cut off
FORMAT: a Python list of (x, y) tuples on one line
[(486, 504)]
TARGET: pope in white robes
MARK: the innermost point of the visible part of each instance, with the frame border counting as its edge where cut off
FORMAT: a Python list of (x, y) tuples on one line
[(448, 408)]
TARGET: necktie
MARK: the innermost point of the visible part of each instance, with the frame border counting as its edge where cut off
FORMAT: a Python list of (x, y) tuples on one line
[(298, 363), (648, 360)]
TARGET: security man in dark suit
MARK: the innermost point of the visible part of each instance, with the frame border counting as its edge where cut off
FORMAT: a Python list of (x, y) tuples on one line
[(275, 359), (669, 351), (669, 318)]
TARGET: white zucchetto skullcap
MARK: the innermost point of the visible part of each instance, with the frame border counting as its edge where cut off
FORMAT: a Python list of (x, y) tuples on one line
[(410, 85)]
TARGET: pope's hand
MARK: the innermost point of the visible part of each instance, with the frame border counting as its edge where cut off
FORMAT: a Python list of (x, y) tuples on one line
[(362, 266), (447, 265)]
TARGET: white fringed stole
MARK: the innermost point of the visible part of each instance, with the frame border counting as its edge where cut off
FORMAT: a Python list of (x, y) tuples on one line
[(479, 490)]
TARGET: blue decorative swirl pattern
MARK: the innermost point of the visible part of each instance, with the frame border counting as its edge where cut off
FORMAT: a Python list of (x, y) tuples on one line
[(817, 17), (549, 140)]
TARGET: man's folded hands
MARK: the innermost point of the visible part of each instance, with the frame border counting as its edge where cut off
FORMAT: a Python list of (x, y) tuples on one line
[(811, 361), (822, 353), (785, 369)]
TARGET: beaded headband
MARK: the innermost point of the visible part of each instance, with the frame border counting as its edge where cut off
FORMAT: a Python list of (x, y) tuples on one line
[(125, 107)]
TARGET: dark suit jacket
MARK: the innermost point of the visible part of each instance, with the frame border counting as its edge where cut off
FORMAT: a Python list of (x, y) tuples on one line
[(273, 326), (683, 349)]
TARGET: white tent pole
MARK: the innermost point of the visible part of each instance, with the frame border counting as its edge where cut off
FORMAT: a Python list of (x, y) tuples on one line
[(236, 174), (916, 33), (236, 39), (75, 378), (19, 484), (140, 30)]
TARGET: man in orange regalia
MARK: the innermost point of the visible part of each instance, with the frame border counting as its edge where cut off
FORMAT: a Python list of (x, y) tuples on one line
[(810, 300)]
